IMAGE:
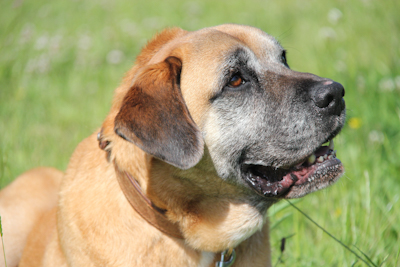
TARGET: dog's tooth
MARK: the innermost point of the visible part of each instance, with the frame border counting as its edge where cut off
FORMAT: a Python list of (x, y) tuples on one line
[(331, 145), (325, 156), (311, 159), (320, 159), (330, 157)]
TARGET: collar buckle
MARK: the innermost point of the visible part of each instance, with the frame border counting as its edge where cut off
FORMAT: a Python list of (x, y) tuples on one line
[(227, 258)]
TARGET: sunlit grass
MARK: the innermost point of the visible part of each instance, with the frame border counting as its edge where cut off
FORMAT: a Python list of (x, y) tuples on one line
[(61, 60), (2, 242)]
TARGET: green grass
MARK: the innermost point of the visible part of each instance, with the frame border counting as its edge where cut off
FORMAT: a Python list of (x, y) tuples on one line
[(57, 81)]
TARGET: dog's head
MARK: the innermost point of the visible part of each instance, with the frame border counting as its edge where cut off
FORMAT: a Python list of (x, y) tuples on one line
[(229, 88)]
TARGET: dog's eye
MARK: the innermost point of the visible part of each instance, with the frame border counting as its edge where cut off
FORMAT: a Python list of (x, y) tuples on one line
[(283, 57), (236, 81)]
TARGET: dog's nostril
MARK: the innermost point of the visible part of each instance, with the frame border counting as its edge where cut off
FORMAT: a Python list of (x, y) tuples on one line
[(329, 99), (328, 96), (323, 100)]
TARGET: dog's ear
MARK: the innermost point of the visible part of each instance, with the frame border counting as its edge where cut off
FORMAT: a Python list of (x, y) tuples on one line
[(154, 116)]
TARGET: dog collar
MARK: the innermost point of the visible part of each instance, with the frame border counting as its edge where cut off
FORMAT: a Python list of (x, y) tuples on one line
[(144, 206)]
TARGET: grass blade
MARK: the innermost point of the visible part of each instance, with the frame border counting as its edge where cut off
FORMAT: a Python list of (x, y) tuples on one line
[(326, 232), (365, 255), (2, 241)]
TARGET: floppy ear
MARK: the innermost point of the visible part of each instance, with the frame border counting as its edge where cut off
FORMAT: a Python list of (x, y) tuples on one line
[(154, 116)]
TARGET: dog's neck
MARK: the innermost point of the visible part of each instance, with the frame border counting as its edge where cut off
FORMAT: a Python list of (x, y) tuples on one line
[(155, 215)]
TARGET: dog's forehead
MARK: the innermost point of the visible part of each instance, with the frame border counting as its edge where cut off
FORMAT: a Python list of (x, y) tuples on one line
[(219, 41), (261, 43)]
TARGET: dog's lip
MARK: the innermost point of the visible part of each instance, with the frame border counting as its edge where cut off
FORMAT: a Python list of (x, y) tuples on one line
[(314, 172)]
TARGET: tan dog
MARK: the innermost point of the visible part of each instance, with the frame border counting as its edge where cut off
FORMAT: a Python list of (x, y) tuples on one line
[(206, 132)]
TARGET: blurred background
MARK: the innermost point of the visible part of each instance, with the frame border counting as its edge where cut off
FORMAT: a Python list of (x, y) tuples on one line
[(61, 60)]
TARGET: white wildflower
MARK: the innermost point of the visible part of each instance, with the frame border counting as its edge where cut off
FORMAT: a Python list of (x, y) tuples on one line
[(327, 33), (376, 137), (115, 56), (386, 85), (41, 42), (334, 15)]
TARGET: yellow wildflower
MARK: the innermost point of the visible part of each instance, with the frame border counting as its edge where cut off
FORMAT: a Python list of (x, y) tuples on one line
[(355, 123)]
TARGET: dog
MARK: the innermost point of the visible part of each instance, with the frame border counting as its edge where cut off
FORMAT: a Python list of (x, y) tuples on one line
[(206, 131)]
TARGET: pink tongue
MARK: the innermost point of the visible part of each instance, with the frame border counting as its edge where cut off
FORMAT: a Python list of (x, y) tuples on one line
[(299, 176), (288, 180)]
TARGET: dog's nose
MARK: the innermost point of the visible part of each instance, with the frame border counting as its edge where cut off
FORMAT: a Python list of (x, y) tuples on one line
[(328, 96)]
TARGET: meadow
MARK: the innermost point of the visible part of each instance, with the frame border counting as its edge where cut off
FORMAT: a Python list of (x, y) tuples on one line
[(61, 60)]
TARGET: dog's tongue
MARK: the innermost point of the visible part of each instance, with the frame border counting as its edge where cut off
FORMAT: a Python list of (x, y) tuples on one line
[(269, 181)]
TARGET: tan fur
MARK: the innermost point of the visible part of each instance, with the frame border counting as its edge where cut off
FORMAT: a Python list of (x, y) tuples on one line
[(94, 225), (39, 239), (22, 203)]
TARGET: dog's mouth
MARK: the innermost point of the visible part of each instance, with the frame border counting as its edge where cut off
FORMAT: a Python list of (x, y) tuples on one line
[(316, 171)]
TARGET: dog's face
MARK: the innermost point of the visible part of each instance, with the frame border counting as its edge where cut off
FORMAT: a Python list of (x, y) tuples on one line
[(230, 88)]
